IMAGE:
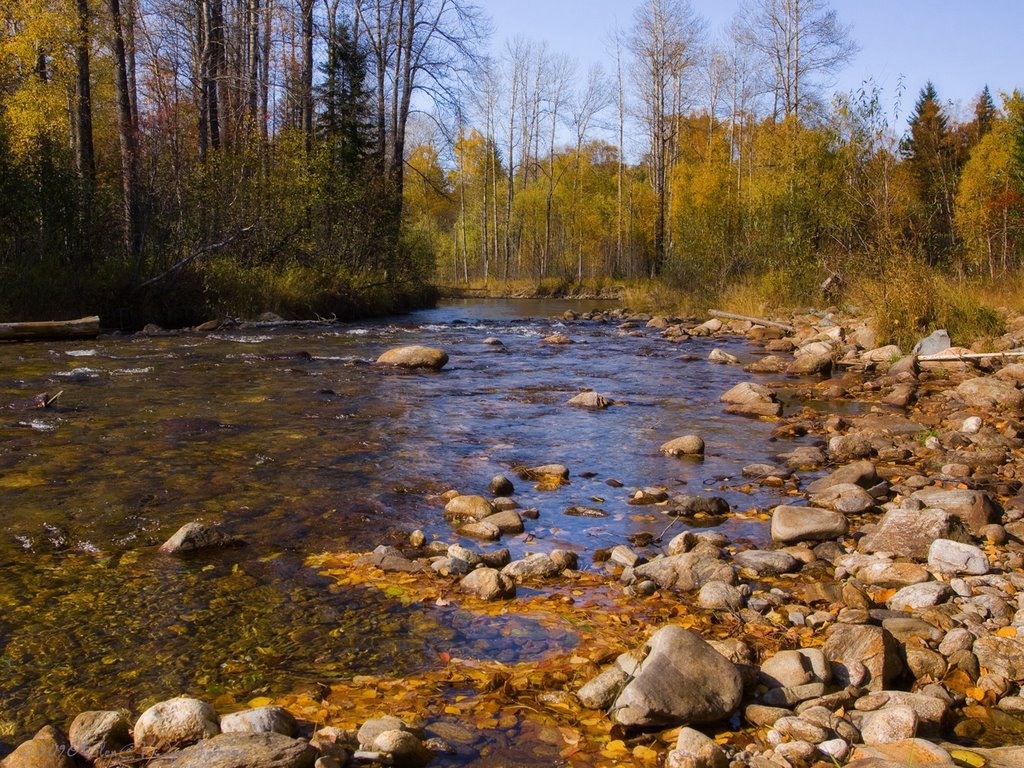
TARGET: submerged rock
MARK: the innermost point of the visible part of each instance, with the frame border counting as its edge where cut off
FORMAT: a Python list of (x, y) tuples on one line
[(687, 445), (591, 400), (193, 536), (750, 399)]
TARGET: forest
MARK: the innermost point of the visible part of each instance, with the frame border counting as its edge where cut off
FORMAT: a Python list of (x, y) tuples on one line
[(169, 161)]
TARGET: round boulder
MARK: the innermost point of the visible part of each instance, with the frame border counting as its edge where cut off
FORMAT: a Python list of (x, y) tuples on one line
[(415, 357), (174, 723)]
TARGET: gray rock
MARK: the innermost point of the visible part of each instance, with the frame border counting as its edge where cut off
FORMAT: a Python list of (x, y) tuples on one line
[(468, 508), (882, 573), (482, 531), (761, 562), (591, 400), (270, 719), (750, 399), (192, 536), (885, 726), (937, 342), (174, 723), (988, 393), (860, 473), (544, 470), (793, 524), (952, 557), (415, 357), (718, 356), (507, 521), (790, 697), (535, 566), (974, 508), (847, 498), (244, 750), (623, 555), (681, 679), (601, 692), (47, 749), (695, 750), (919, 596), (685, 572), (717, 595), (500, 486), (871, 646), (688, 445), (488, 584), (689, 505), (402, 748), (907, 532), (99, 732)]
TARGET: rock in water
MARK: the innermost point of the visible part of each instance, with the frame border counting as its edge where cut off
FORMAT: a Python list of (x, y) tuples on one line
[(681, 679), (47, 749), (415, 357), (96, 733), (750, 399), (174, 723), (687, 445), (192, 536), (590, 400), (247, 750), (488, 584)]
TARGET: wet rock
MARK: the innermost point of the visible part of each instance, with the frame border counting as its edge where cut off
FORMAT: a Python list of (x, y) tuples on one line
[(584, 511), (811, 364), (99, 732), (415, 357), (649, 495), (591, 400), (686, 572), (482, 531), (508, 522), (847, 498), (689, 505), (500, 486), (695, 750), (988, 392), (564, 559), (688, 445), (601, 692), (907, 532), (793, 524), (468, 508), (402, 748), (974, 508), (766, 562), (535, 566), (952, 557), (488, 584), (557, 339), (750, 399), (47, 749), (174, 723), (624, 556), (717, 595), (871, 646), (544, 470), (270, 719), (192, 536), (681, 679)]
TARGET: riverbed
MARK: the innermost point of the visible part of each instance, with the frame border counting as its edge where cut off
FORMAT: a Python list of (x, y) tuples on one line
[(294, 441)]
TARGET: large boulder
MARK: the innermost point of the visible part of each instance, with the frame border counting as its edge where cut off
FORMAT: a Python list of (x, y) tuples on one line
[(488, 584), (591, 400), (955, 558), (47, 749), (934, 344), (872, 646), (988, 392), (681, 680), (793, 524), (907, 532), (687, 445), (468, 508), (415, 357), (244, 750), (751, 399), (192, 536), (174, 723), (685, 572)]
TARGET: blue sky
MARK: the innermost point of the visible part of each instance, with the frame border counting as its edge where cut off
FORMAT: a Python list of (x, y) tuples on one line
[(958, 44)]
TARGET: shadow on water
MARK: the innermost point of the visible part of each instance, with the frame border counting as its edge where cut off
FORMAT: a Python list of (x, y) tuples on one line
[(299, 445)]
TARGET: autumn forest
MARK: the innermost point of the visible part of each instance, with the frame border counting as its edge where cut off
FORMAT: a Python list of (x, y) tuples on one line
[(168, 160)]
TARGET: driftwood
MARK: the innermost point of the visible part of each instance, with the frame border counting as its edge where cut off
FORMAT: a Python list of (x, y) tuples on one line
[(755, 320), (945, 357), (83, 328)]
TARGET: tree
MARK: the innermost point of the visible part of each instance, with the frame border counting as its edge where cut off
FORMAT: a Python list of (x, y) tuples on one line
[(985, 113), (664, 43), (802, 45)]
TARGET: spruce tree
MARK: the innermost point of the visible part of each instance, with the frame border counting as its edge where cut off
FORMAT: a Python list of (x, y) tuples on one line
[(984, 114), (344, 120)]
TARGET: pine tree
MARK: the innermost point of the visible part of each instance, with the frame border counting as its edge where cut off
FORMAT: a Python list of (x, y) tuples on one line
[(984, 114), (344, 121)]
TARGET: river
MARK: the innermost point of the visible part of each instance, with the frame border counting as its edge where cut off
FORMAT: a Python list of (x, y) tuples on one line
[(298, 444)]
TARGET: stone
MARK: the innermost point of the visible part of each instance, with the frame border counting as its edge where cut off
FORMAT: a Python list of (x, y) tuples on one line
[(919, 596), (535, 566), (500, 486), (954, 558), (544, 470), (988, 392), (933, 344), (907, 753), (848, 498), (931, 711), (761, 562), (591, 400), (488, 584), (174, 723), (811, 364), (469, 507), (686, 572), (47, 749), (195, 535), (601, 691), (99, 732), (415, 357), (882, 573), (751, 399), (1002, 656), (689, 505), (717, 595), (508, 521), (797, 729), (624, 556), (874, 647), (681, 679), (718, 356), (791, 669), (862, 473), (402, 748), (688, 445), (790, 697), (482, 531), (836, 750), (269, 719), (244, 750), (907, 532), (557, 339), (695, 750), (372, 728), (564, 559), (887, 354), (974, 508), (793, 524)]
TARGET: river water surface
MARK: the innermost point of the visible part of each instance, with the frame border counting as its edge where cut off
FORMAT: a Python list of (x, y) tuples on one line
[(292, 439)]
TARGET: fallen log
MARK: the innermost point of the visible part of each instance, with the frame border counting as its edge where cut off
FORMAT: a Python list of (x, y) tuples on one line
[(82, 328), (755, 320), (943, 357)]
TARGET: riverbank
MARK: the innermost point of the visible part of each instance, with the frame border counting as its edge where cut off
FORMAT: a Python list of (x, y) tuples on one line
[(877, 621)]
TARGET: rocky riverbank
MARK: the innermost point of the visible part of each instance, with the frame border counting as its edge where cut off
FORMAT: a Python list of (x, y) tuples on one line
[(883, 627)]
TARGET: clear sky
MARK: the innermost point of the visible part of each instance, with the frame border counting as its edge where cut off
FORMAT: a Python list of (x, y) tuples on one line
[(958, 44)]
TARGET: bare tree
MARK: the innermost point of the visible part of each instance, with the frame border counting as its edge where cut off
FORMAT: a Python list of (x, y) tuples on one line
[(589, 100), (802, 44), (664, 42)]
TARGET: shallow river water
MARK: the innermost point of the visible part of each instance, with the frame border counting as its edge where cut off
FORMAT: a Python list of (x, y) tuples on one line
[(298, 444)]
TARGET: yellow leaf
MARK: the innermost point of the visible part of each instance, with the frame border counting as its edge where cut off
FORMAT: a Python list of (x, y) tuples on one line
[(645, 754), (968, 759), (976, 693), (1006, 632), (260, 701), (452, 711)]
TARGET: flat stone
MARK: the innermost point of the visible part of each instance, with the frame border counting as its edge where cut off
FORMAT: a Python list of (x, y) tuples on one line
[(974, 508), (862, 473), (415, 357), (535, 566), (988, 392), (793, 524), (919, 596), (686, 572), (907, 532), (244, 750), (749, 398), (848, 498), (953, 558), (508, 522)]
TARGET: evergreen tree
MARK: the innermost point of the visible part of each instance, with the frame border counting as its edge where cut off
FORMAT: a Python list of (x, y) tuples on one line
[(984, 114), (344, 121)]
